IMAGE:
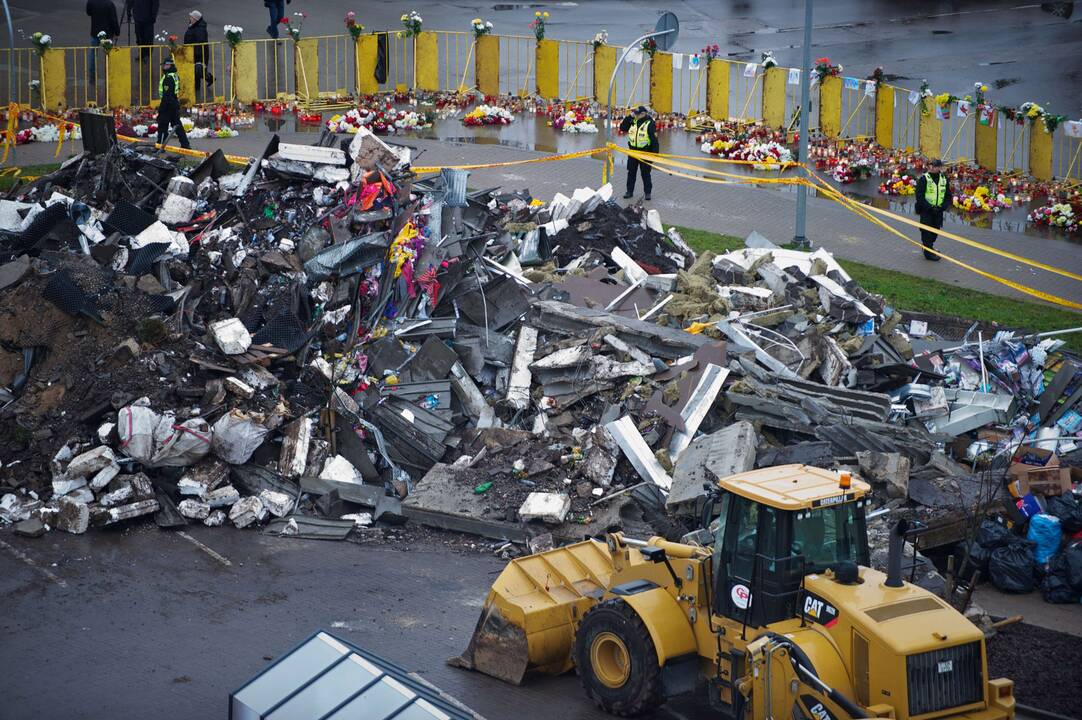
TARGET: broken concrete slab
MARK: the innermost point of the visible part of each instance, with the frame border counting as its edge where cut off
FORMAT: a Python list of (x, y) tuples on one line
[(890, 469), (278, 504), (518, 387), (629, 439), (296, 440), (72, 516), (31, 528), (246, 511), (707, 458), (194, 509), (200, 479), (444, 498), (90, 463), (231, 336), (551, 508)]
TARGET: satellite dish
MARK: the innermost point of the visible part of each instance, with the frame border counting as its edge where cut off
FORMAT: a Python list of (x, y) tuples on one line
[(670, 26)]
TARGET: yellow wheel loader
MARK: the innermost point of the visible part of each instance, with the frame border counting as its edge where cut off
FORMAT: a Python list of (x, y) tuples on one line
[(782, 619)]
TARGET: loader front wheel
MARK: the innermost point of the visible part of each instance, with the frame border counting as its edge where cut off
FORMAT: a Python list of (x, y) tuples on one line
[(617, 661)]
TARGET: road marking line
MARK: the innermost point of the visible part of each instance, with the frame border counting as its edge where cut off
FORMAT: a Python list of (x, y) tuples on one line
[(220, 558), (29, 561)]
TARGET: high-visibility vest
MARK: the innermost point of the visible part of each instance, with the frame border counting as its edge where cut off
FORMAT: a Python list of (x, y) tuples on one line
[(176, 84), (638, 136), (935, 193)]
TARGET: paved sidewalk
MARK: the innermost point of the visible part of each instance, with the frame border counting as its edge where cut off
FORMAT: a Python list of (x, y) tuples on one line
[(735, 210)]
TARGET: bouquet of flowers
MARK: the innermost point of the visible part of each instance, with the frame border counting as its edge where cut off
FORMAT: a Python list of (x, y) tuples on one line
[(898, 185), (234, 35), (354, 27), (824, 69), (710, 52), (877, 76), (480, 27), (50, 133), (412, 22), (575, 120), (487, 115), (380, 119), (981, 200), (600, 39), (105, 42), (538, 24), (846, 171), (167, 38), (1057, 215), (943, 105), (649, 46), (42, 42), (767, 154), (293, 27), (767, 59)]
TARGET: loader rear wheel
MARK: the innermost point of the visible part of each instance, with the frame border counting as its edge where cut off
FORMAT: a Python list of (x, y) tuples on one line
[(617, 660)]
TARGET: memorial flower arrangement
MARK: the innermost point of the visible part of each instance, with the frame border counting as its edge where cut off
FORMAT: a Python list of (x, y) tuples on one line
[(709, 52), (877, 76), (649, 47), (105, 42), (767, 59), (538, 24), (600, 39), (480, 27), (380, 119), (575, 120), (847, 170), (411, 21), (487, 115), (981, 199), (1057, 215), (167, 38), (943, 102), (355, 28), (824, 69), (293, 27), (234, 35), (899, 185), (48, 133), (41, 42), (756, 144)]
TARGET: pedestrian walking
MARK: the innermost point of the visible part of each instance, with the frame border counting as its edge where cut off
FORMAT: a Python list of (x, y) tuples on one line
[(169, 104), (933, 194), (196, 36), (277, 12), (103, 19), (143, 14), (641, 136)]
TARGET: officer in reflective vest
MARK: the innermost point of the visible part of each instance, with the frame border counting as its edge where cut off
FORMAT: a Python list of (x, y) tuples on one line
[(169, 104), (642, 136), (933, 194)]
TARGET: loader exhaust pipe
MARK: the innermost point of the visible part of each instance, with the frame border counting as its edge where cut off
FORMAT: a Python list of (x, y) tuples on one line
[(894, 554)]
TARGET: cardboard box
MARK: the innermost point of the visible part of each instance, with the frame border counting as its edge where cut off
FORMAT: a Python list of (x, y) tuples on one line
[(1047, 481), (1037, 463)]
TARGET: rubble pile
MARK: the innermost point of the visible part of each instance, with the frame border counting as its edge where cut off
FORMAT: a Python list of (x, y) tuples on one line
[(322, 342)]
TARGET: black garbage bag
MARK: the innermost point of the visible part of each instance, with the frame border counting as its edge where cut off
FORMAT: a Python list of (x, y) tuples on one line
[(1068, 510), (1072, 558), (1056, 586), (992, 534), (978, 560), (1011, 567)]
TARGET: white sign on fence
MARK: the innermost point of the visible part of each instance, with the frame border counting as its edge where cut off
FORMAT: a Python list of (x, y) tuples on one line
[(634, 55), (963, 108), (914, 97), (1073, 128), (794, 76), (694, 62), (869, 88), (678, 61), (749, 70)]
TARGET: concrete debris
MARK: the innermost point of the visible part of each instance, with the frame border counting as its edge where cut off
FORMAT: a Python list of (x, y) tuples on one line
[(324, 335)]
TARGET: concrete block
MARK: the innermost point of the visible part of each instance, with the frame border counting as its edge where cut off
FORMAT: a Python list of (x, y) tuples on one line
[(231, 335), (720, 454), (247, 511), (200, 479), (194, 509), (90, 463), (338, 469), (127, 512), (550, 508), (72, 516), (65, 485), (296, 439), (238, 388), (121, 495), (890, 469), (278, 504), (222, 497), (104, 477), (216, 518), (32, 528)]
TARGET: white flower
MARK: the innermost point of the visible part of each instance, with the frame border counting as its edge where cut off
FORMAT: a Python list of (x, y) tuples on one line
[(102, 35), (46, 39)]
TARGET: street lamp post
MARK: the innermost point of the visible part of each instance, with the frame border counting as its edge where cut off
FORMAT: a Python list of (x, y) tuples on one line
[(799, 237)]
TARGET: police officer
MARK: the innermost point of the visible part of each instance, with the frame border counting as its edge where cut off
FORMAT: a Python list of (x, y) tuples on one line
[(642, 136), (933, 194), (169, 104)]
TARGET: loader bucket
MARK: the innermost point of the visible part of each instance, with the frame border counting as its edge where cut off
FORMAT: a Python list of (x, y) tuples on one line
[(531, 612)]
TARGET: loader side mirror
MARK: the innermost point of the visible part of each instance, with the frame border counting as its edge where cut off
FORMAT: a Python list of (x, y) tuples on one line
[(653, 554)]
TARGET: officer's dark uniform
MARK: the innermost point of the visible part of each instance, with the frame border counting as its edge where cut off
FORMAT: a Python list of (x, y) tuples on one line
[(933, 195), (169, 106), (641, 136)]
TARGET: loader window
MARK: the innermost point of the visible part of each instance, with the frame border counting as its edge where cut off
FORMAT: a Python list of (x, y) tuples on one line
[(830, 535)]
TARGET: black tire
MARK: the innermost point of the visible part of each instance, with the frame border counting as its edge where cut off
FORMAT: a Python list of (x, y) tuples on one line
[(641, 691)]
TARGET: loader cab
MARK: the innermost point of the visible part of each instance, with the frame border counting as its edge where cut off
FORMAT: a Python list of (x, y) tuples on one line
[(777, 525)]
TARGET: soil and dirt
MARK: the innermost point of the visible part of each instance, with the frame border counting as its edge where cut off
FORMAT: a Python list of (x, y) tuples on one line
[(1044, 665)]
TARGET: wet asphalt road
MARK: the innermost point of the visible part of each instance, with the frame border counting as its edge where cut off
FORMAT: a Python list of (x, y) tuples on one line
[(1021, 51), (146, 624)]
